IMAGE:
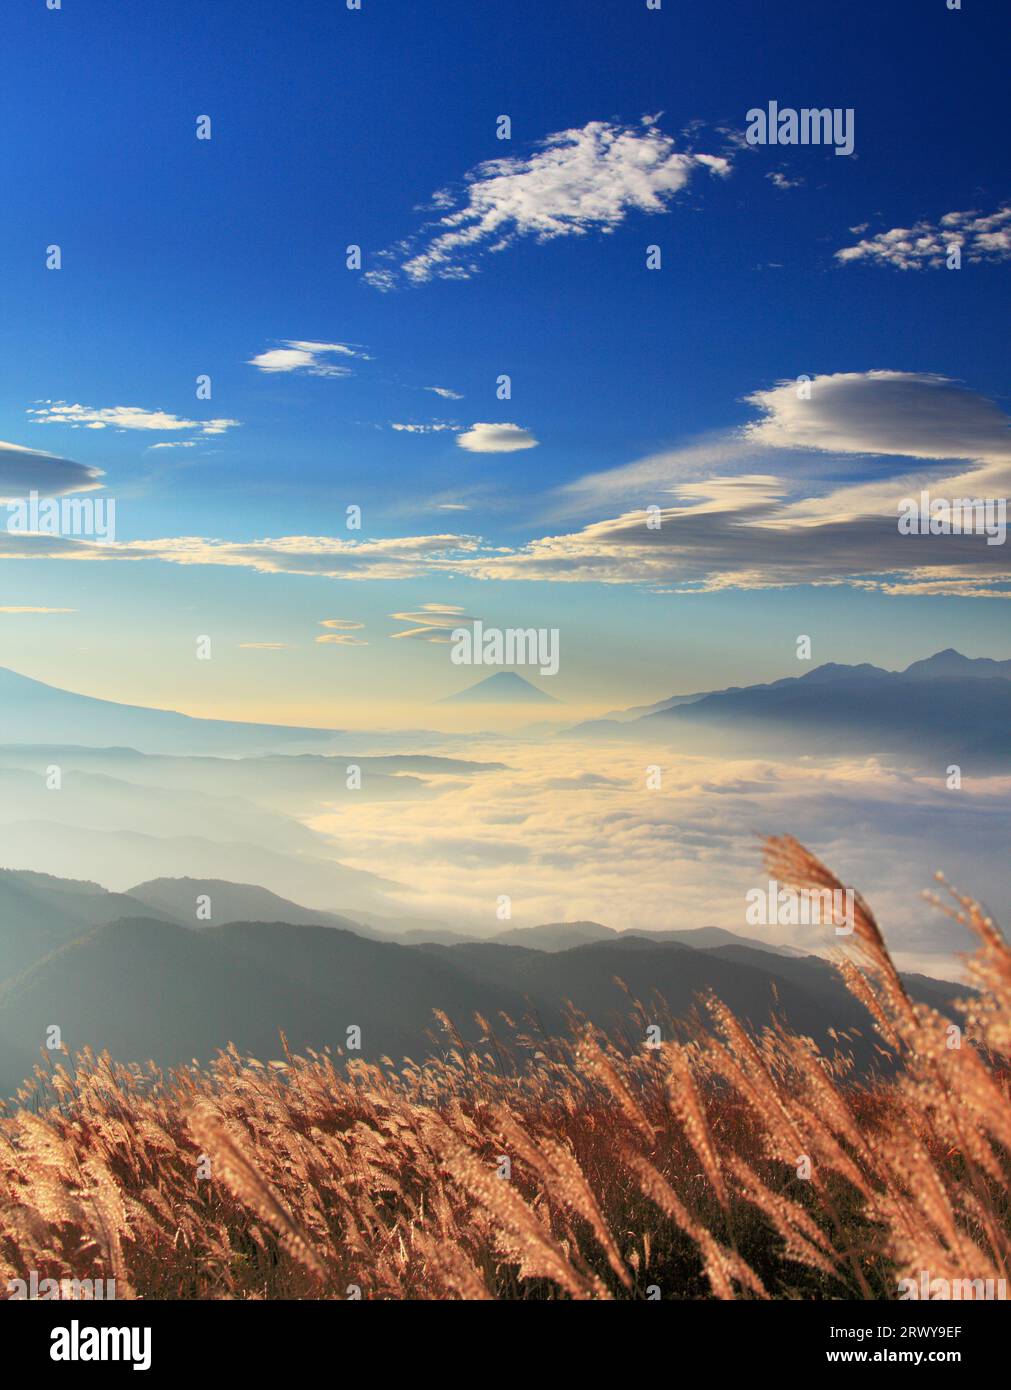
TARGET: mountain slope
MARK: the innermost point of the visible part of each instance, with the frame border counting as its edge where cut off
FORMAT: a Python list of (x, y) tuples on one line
[(34, 712), (39, 913)]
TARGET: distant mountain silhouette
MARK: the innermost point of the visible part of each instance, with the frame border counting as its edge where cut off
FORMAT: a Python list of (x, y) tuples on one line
[(504, 687), (709, 938), (953, 663), (946, 709), (555, 936), (231, 902), (562, 936), (34, 712)]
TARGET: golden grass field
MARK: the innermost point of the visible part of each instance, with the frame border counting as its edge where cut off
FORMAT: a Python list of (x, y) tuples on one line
[(636, 1171)]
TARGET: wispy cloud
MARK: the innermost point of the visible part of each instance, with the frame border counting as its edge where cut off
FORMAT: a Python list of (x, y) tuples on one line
[(400, 557), (437, 428), (577, 181), (37, 610), (979, 236), (310, 358), (445, 393), (121, 417), (655, 476)]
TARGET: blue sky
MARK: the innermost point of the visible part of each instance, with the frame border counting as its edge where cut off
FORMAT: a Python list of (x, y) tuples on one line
[(183, 257)]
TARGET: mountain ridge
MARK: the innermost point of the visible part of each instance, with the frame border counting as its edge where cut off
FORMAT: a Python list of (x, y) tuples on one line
[(947, 709), (144, 988)]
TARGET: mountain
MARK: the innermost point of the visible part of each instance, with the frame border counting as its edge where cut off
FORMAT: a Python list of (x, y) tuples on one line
[(947, 709), (608, 725), (230, 902), (39, 913), (562, 936), (555, 936), (623, 716), (143, 986), (953, 663), (34, 712), (707, 938), (504, 687)]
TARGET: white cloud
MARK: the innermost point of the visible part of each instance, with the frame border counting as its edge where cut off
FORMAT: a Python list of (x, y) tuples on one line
[(445, 392), (917, 414), (980, 237), (781, 180), (341, 639), (806, 494), (346, 624), (121, 417), (496, 439), (37, 610), (797, 521), (433, 622), (577, 181), (423, 429), (298, 355)]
